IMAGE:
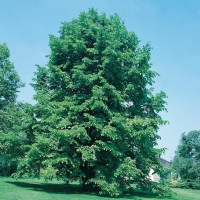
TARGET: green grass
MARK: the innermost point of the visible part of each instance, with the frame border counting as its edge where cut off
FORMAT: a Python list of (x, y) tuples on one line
[(29, 189)]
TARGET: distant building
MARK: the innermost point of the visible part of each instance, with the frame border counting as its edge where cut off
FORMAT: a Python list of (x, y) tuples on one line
[(154, 176)]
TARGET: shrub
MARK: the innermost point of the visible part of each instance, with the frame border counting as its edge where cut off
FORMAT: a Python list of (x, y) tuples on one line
[(187, 184)]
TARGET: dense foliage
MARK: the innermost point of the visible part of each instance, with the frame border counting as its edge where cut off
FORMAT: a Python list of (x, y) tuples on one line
[(186, 163), (9, 85), (96, 116), (10, 141), (187, 184)]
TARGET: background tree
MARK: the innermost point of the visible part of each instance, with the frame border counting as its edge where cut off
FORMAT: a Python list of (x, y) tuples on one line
[(97, 116), (9, 86), (10, 140), (9, 79), (186, 163)]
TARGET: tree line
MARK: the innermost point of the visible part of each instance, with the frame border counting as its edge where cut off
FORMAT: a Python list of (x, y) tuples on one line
[(186, 162)]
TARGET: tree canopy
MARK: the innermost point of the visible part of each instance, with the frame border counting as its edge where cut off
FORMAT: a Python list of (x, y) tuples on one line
[(9, 86), (9, 78), (186, 163), (97, 115), (10, 142)]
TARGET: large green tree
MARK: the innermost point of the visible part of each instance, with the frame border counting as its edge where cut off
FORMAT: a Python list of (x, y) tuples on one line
[(9, 85), (186, 163), (97, 116), (9, 79), (10, 141)]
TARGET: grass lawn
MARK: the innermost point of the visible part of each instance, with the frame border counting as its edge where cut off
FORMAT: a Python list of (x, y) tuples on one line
[(28, 189)]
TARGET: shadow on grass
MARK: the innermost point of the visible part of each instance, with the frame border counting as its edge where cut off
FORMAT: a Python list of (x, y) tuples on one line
[(49, 187), (74, 189)]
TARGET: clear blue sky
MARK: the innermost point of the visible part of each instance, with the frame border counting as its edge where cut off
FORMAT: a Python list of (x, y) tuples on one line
[(172, 27)]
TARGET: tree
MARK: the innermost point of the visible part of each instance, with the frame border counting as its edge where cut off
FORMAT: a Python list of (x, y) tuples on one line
[(9, 113), (9, 85), (9, 78), (97, 116), (186, 163)]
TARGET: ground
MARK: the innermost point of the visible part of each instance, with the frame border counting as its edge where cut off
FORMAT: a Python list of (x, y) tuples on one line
[(34, 189)]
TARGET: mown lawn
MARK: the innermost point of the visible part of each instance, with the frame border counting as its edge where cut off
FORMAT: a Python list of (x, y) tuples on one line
[(29, 189)]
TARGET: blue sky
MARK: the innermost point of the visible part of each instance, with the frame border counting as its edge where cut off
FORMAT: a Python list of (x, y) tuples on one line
[(172, 27)]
